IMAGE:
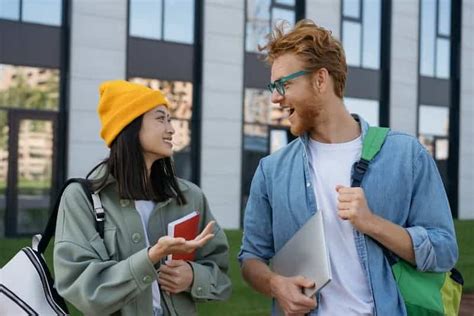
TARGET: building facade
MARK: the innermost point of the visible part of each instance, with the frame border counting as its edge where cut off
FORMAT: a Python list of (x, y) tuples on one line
[(410, 68)]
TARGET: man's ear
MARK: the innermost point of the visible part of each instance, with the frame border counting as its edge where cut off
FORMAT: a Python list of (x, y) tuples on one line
[(320, 80)]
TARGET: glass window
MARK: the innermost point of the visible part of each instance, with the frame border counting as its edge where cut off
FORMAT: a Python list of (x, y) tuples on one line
[(259, 109), (279, 14), (42, 11), (351, 8), (29, 87), (434, 39), (371, 37), (444, 17), (179, 21), (361, 34), (434, 120), (286, 2), (145, 18), (428, 34), (180, 97), (351, 42), (3, 167), (367, 109), (258, 23), (10, 9), (442, 58), (278, 139)]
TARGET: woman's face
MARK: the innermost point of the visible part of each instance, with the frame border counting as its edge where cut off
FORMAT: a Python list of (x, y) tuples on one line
[(156, 134)]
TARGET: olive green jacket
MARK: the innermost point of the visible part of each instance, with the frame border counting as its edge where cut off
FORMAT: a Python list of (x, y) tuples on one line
[(113, 275)]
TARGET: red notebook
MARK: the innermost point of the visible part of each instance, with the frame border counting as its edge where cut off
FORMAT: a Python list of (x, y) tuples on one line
[(186, 227)]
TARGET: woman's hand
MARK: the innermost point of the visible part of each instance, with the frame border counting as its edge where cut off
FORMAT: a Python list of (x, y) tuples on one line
[(176, 276), (167, 245)]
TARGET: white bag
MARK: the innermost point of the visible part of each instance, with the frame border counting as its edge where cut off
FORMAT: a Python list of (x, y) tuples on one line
[(26, 285)]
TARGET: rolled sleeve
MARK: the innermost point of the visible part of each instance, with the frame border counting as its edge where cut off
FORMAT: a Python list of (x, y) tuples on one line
[(257, 240), (430, 222)]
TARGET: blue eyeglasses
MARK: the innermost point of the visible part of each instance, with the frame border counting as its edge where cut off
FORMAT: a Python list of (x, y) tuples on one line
[(279, 84)]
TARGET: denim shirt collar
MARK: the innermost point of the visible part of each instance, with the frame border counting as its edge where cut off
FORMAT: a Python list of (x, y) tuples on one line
[(362, 123)]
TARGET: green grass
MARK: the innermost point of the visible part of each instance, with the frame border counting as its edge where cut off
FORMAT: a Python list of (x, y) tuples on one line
[(244, 300)]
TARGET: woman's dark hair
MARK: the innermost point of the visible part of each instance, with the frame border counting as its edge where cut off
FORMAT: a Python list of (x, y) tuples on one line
[(127, 165)]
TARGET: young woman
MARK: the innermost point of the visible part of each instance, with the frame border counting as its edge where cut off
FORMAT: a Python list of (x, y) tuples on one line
[(126, 272)]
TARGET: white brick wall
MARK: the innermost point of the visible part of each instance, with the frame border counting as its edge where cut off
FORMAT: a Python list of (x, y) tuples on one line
[(98, 53), (404, 66), (466, 131), (222, 108)]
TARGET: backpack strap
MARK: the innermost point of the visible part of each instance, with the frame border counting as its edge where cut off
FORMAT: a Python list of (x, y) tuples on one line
[(371, 146), (93, 199)]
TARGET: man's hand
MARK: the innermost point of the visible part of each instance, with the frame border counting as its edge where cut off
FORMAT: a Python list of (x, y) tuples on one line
[(352, 206), (176, 276), (289, 294)]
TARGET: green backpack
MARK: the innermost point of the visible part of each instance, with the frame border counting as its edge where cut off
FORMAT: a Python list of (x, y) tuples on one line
[(424, 293)]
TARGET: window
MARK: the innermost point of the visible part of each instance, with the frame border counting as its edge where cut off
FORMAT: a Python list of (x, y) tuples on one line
[(29, 87), (180, 96), (261, 15), (10, 9), (168, 20), (265, 131), (433, 133), (367, 109), (435, 38), (47, 12), (361, 32)]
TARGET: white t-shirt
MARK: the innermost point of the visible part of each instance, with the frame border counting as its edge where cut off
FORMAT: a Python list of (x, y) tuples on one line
[(145, 208), (348, 293)]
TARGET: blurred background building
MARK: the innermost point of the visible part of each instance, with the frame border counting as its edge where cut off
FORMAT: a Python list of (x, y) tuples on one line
[(411, 65)]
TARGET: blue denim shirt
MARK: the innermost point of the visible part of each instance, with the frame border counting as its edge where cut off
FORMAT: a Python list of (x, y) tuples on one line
[(402, 185)]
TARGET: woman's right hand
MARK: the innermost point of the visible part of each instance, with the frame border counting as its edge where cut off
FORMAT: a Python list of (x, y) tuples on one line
[(167, 245)]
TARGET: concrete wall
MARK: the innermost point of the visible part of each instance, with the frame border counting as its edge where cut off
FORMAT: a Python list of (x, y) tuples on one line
[(404, 66), (466, 131), (98, 53), (222, 108)]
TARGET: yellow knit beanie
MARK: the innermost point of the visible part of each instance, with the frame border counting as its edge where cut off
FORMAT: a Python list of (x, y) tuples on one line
[(121, 102)]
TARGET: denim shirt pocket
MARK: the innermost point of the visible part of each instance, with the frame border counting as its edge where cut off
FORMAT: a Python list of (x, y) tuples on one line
[(106, 248)]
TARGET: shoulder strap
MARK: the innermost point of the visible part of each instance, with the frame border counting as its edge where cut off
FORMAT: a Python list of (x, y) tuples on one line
[(51, 226), (371, 146)]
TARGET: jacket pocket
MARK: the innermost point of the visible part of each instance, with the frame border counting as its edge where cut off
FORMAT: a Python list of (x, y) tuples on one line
[(106, 248)]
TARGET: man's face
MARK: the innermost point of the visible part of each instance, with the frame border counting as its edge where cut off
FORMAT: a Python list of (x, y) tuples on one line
[(300, 97)]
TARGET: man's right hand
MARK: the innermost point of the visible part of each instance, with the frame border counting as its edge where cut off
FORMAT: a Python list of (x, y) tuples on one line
[(289, 294)]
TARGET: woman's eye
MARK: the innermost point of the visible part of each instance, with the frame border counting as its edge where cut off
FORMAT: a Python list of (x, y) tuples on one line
[(160, 118)]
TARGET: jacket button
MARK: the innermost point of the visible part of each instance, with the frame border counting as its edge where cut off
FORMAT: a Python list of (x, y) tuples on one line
[(308, 184), (124, 203), (136, 237), (147, 279), (199, 289)]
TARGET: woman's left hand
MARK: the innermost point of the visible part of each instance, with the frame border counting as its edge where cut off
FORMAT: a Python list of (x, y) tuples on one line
[(176, 276)]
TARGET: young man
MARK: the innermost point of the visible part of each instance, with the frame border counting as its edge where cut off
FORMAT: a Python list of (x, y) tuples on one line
[(401, 204)]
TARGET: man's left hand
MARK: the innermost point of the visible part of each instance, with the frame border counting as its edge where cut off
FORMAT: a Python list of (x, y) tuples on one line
[(352, 206)]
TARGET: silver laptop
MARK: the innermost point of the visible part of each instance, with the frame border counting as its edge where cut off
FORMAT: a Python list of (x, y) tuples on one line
[(306, 254)]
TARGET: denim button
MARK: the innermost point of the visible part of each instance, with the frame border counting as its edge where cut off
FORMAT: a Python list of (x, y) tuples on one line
[(147, 279), (308, 184), (124, 203), (136, 237)]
